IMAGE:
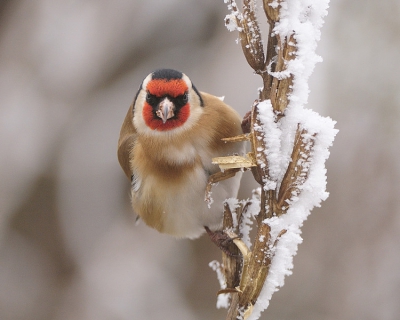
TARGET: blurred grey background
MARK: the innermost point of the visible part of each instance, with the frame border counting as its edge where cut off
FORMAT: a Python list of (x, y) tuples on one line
[(69, 248)]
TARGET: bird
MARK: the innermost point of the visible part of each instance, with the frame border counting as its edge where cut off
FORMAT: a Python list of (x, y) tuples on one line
[(167, 141)]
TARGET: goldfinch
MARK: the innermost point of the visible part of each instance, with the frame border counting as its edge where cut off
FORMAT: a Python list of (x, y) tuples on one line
[(167, 140)]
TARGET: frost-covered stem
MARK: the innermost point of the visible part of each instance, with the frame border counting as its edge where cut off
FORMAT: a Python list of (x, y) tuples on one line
[(250, 37), (297, 171), (283, 147), (255, 268), (281, 83), (272, 16), (231, 264)]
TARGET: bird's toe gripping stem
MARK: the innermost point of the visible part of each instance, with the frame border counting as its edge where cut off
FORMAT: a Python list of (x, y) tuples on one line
[(222, 240)]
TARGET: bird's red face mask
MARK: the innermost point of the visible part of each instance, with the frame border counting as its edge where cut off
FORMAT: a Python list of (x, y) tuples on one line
[(166, 105)]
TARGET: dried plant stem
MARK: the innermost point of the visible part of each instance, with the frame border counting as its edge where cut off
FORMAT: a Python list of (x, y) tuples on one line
[(233, 311), (231, 264), (245, 278)]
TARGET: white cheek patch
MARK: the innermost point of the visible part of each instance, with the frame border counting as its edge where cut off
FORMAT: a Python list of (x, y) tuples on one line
[(138, 120), (195, 111), (146, 81), (187, 80)]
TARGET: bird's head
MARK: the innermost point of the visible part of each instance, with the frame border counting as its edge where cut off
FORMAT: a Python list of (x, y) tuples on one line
[(166, 101)]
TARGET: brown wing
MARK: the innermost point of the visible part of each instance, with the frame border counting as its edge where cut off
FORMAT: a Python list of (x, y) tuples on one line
[(126, 140), (222, 120)]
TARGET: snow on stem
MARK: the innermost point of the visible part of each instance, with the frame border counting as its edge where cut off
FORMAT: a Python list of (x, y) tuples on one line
[(289, 144)]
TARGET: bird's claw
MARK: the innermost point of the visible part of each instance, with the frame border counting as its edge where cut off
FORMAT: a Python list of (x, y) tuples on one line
[(222, 240)]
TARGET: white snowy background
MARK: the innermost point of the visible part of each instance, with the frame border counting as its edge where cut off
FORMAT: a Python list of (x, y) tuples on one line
[(68, 245)]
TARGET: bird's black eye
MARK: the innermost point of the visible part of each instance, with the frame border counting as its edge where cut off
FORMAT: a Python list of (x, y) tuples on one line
[(185, 97), (150, 98)]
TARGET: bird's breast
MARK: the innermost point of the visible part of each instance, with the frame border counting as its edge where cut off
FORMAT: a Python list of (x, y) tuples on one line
[(168, 187), (171, 202)]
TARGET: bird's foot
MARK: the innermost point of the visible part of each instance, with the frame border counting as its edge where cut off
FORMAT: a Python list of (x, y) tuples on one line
[(222, 241)]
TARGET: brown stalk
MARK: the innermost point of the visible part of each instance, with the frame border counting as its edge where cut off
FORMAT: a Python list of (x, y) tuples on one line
[(272, 17), (231, 264), (272, 12), (257, 268), (260, 172), (250, 38), (245, 277), (297, 171), (281, 87)]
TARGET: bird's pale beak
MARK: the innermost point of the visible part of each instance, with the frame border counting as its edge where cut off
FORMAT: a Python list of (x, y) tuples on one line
[(165, 110)]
